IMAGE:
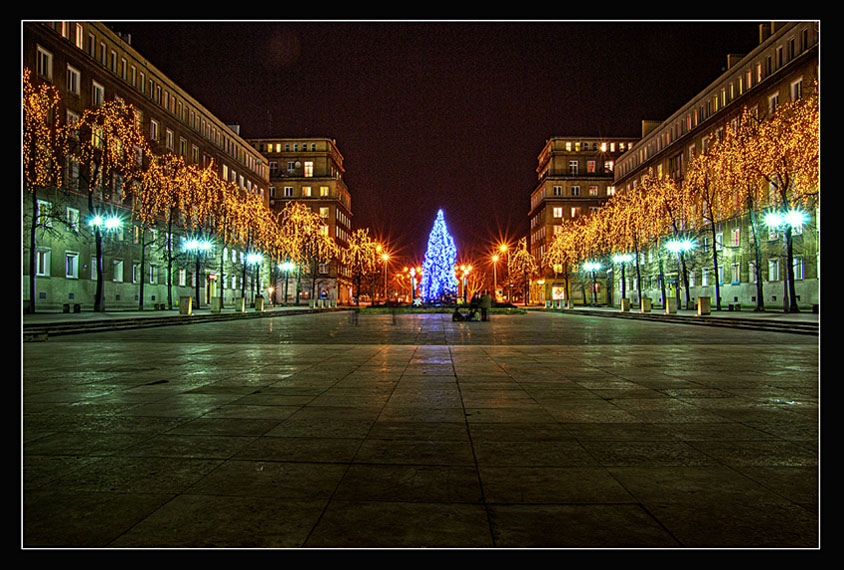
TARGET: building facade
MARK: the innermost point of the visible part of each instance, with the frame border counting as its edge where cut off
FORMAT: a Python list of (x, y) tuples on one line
[(89, 63), (781, 68), (310, 171), (575, 178)]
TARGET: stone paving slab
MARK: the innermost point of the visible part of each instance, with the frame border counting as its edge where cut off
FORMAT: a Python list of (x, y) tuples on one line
[(315, 431)]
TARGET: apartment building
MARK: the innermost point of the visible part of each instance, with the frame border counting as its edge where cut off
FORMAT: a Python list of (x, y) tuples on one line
[(781, 68), (90, 63), (575, 178), (310, 171)]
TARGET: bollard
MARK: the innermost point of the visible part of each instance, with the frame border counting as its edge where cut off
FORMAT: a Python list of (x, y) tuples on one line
[(216, 304), (646, 304)]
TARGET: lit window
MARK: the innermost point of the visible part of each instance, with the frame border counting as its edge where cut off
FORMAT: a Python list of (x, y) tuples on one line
[(309, 169)]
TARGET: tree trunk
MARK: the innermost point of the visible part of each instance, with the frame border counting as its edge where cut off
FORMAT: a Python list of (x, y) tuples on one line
[(33, 254)]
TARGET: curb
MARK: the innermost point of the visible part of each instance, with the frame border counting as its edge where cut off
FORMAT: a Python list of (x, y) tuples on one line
[(39, 332), (774, 325)]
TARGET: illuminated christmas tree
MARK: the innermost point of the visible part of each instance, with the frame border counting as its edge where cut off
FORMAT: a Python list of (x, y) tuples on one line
[(438, 280)]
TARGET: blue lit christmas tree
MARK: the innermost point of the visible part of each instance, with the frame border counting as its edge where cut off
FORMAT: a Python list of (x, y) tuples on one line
[(438, 279)]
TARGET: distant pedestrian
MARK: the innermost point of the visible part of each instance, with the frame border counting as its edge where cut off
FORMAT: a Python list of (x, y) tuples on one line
[(486, 305)]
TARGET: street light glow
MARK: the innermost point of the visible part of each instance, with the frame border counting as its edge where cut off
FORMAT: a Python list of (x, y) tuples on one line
[(680, 245), (591, 266), (253, 257), (623, 258), (108, 223)]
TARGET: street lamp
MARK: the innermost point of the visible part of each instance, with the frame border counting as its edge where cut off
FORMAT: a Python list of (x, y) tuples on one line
[(198, 246), (623, 259), (495, 276), (504, 249), (787, 222), (680, 247), (255, 259), (465, 269), (592, 267), (286, 267), (385, 257)]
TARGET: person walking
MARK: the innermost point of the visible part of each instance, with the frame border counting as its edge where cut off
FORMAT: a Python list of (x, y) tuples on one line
[(486, 305)]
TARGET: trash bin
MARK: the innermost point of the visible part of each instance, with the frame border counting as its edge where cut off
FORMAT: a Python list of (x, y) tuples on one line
[(625, 305), (647, 303), (259, 303), (216, 304), (703, 304), (185, 305), (671, 306), (239, 304)]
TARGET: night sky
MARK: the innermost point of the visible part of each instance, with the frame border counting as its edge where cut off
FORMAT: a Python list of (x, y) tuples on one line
[(447, 115)]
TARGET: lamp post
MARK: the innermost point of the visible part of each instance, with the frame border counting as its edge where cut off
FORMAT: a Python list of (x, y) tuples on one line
[(385, 257), (198, 246), (592, 267), (787, 222), (465, 269), (255, 259), (680, 247), (504, 249), (495, 276), (623, 259), (286, 267), (100, 224)]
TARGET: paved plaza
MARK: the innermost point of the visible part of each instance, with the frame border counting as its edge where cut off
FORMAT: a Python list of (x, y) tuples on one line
[(333, 430)]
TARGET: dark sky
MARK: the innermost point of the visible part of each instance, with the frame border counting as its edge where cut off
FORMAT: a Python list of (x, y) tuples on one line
[(447, 115)]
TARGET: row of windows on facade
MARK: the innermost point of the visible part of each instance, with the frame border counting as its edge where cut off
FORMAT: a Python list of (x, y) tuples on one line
[(44, 68), (602, 146), (706, 274), (129, 73), (710, 104), (574, 192), (155, 274)]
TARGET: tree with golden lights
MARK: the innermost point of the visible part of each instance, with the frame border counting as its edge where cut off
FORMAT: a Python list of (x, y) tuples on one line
[(360, 256), (522, 266), (305, 241), (44, 153), (787, 158), (110, 151)]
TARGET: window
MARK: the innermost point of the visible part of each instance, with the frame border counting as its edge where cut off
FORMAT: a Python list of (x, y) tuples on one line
[(593, 190), (306, 191), (323, 190), (97, 94), (73, 77), (773, 270), (798, 267), (42, 263), (73, 219), (288, 191), (773, 103), (323, 268), (44, 63), (153, 129), (118, 270), (591, 166), (575, 190), (558, 212), (93, 268), (79, 36), (735, 237), (71, 265), (309, 169), (797, 89), (44, 211), (558, 190), (323, 212), (735, 273), (573, 167)]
